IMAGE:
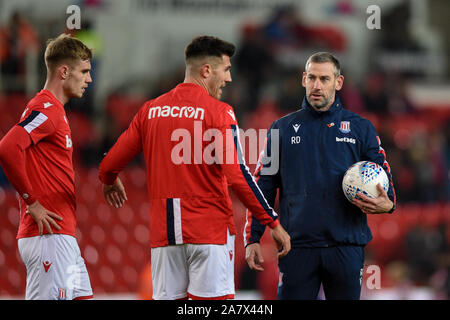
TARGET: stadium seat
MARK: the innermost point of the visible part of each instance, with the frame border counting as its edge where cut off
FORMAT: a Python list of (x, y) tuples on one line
[(432, 215), (84, 128), (410, 214), (122, 109)]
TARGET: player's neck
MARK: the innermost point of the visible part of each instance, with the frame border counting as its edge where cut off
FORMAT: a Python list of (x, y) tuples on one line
[(190, 78), (57, 90)]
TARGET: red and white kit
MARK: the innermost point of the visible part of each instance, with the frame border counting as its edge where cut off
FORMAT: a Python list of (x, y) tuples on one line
[(189, 203), (189, 200), (40, 168)]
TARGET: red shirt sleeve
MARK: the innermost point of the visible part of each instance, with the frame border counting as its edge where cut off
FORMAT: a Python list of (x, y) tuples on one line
[(35, 124), (122, 152), (238, 174), (12, 160), (39, 124)]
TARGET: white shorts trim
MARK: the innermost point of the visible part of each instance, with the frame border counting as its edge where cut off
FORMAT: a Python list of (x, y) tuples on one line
[(177, 221), (200, 270), (55, 268)]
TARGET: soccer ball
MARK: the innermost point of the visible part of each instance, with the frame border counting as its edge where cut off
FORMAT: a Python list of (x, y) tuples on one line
[(363, 177)]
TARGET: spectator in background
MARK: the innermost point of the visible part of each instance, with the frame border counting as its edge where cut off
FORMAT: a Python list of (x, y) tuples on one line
[(351, 97), (439, 166), (395, 34), (286, 29), (17, 39), (446, 152), (386, 93), (427, 249), (398, 101), (422, 167), (254, 62), (374, 94), (289, 91)]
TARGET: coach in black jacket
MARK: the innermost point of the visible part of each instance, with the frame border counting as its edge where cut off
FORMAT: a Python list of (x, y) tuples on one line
[(316, 146)]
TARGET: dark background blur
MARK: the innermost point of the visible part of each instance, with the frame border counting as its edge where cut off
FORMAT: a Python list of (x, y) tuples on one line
[(397, 76)]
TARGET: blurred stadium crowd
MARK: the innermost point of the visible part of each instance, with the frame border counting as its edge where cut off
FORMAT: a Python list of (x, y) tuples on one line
[(411, 247)]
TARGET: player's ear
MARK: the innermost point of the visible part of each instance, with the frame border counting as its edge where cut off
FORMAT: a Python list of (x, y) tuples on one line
[(304, 79), (206, 70), (63, 71), (339, 82)]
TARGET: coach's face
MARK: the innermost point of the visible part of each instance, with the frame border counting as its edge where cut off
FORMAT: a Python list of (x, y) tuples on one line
[(78, 78), (220, 74), (321, 84)]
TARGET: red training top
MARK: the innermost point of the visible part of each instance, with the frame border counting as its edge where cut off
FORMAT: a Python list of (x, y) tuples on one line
[(36, 155), (191, 147)]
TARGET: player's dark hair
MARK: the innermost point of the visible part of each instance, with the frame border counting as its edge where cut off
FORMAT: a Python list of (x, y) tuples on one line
[(208, 46), (322, 57)]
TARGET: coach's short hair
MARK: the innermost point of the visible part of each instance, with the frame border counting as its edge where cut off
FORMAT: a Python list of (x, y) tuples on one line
[(65, 49), (208, 46), (322, 57)]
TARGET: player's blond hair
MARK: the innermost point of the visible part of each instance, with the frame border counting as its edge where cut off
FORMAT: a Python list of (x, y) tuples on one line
[(65, 49)]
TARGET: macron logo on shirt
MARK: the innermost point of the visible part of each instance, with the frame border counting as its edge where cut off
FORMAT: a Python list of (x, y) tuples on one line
[(176, 112)]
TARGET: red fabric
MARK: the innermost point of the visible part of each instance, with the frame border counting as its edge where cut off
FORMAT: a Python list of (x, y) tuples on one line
[(84, 297), (47, 163), (225, 297), (12, 160), (172, 172)]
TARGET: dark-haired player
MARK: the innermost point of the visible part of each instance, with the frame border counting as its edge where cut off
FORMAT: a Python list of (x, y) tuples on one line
[(191, 220)]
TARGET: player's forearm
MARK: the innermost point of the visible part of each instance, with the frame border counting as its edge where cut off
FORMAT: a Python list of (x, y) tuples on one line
[(114, 162), (250, 195), (243, 183), (123, 151), (107, 174), (253, 229), (12, 160)]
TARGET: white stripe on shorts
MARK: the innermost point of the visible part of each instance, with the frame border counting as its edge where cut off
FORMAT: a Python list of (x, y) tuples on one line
[(177, 221)]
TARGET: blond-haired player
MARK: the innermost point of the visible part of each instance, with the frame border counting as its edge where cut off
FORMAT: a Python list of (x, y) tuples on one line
[(36, 155)]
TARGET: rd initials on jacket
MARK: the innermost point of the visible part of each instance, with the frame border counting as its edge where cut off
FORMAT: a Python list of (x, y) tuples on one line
[(295, 139)]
